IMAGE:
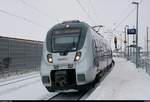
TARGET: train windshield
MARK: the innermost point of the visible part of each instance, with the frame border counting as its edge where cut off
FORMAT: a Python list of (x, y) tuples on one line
[(65, 40)]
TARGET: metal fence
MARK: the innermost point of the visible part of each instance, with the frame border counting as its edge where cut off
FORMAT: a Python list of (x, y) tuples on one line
[(19, 56), (144, 59), (144, 62)]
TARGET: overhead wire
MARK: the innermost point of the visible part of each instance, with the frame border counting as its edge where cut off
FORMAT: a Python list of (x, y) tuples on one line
[(35, 8), (84, 10), (22, 18), (94, 11), (120, 16), (124, 19)]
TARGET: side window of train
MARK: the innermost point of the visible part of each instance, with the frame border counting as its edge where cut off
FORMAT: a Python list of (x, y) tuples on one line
[(93, 46), (101, 48), (99, 45), (96, 44), (103, 52), (107, 50), (93, 42), (104, 48), (96, 47)]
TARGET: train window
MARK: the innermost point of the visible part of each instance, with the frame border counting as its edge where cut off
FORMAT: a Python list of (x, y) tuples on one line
[(94, 43), (97, 43), (100, 44), (65, 43), (105, 49), (65, 40)]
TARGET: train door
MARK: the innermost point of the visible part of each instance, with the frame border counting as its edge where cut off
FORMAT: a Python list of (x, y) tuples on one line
[(106, 55), (103, 55), (100, 56), (93, 48), (95, 53)]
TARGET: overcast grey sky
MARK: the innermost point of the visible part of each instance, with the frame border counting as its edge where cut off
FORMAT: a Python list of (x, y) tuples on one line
[(46, 13)]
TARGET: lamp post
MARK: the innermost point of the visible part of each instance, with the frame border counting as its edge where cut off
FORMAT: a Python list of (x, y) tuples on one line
[(147, 64), (125, 40), (137, 57)]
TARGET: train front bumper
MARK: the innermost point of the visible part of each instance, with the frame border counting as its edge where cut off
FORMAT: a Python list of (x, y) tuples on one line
[(70, 87), (65, 79)]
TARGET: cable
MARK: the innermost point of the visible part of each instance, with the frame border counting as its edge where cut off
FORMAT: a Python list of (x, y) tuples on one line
[(120, 16), (141, 1), (35, 8), (85, 11), (23, 18), (93, 9), (127, 16)]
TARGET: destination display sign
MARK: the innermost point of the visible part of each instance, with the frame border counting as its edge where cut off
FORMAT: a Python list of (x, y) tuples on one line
[(67, 31)]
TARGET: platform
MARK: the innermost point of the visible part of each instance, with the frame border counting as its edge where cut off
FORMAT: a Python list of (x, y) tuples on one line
[(125, 82)]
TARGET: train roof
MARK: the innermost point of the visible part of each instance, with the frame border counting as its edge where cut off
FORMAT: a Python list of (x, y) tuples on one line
[(70, 24), (73, 24)]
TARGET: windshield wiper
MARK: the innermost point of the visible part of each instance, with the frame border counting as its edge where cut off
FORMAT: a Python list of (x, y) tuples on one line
[(73, 45)]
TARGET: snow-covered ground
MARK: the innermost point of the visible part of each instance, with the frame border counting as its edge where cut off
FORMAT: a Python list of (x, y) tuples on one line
[(125, 82), (30, 89)]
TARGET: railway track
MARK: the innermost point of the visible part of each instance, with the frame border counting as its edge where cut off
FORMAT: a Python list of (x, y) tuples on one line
[(19, 80), (13, 85), (81, 95), (68, 96)]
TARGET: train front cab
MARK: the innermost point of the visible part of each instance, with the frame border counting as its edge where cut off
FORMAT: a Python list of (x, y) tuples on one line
[(65, 72)]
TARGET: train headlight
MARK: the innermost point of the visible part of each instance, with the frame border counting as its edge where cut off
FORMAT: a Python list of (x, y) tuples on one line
[(78, 56), (49, 58)]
